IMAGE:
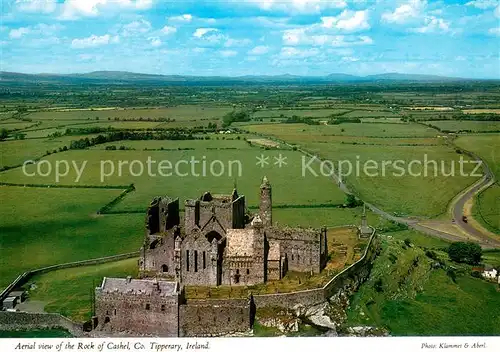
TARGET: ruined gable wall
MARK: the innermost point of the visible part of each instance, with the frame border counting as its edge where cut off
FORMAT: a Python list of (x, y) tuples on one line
[(197, 266), (127, 312)]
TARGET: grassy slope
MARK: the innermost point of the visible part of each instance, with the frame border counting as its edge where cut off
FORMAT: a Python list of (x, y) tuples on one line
[(416, 300)]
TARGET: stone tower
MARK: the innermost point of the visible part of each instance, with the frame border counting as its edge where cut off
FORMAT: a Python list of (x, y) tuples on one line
[(266, 204)]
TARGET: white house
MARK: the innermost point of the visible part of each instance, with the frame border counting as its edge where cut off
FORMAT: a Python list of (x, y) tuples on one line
[(491, 274)]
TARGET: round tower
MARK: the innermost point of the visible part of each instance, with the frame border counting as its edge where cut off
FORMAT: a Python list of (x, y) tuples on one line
[(266, 204)]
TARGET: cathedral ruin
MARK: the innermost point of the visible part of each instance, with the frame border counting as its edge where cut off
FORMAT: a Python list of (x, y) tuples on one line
[(219, 243)]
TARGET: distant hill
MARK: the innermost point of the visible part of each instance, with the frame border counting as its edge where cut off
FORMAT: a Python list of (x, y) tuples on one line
[(124, 77)]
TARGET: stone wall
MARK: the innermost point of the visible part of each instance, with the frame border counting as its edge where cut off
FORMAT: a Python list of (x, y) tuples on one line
[(211, 317), (31, 321), (292, 299), (149, 314)]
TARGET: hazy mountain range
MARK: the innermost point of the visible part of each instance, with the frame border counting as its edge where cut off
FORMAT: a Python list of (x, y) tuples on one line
[(123, 77)]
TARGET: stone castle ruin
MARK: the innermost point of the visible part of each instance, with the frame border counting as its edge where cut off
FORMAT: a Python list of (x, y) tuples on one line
[(219, 243)]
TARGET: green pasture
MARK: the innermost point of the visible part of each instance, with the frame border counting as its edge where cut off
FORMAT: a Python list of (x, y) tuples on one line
[(215, 142), (486, 146), (14, 126), (487, 203), (68, 291), (39, 333), (302, 132), (298, 112), (371, 113), (17, 152), (181, 112), (238, 166), (472, 126), (410, 194), (45, 226), (486, 208), (319, 217), (382, 120)]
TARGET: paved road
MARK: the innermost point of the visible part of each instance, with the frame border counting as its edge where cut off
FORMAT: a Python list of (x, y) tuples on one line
[(458, 208), (485, 241)]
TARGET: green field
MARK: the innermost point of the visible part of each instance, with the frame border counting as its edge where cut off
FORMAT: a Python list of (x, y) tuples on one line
[(68, 291), (410, 194), (300, 132), (487, 203), (487, 208), (181, 112), (472, 126), (319, 217), (290, 189), (44, 333), (17, 152), (42, 226), (413, 300), (297, 112)]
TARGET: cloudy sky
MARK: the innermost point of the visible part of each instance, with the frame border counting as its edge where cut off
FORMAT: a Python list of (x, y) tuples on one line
[(240, 37)]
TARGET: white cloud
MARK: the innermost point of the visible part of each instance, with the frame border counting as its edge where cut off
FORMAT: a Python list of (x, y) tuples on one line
[(167, 30), (259, 50), (237, 42), (406, 12), (94, 41), (289, 52), (200, 32), (41, 6), (135, 28), (182, 18), (494, 31), (496, 12), (19, 32), (155, 41), (73, 9), (432, 25), (347, 20), (483, 4), (228, 53), (40, 29), (300, 6), (303, 36)]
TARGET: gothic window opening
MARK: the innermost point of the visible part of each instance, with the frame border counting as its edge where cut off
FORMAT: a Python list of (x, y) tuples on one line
[(204, 260), (248, 271), (195, 261), (148, 306), (164, 268), (187, 260), (162, 307), (114, 312)]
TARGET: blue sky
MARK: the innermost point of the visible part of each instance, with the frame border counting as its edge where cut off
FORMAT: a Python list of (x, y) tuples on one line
[(242, 37)]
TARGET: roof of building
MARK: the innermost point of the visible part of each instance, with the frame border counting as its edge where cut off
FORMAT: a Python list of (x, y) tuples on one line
[(139, 286), (10, 299), (240, 242), (17, 293)]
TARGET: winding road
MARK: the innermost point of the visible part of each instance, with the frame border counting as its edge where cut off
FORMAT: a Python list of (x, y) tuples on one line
[(457, 208)]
